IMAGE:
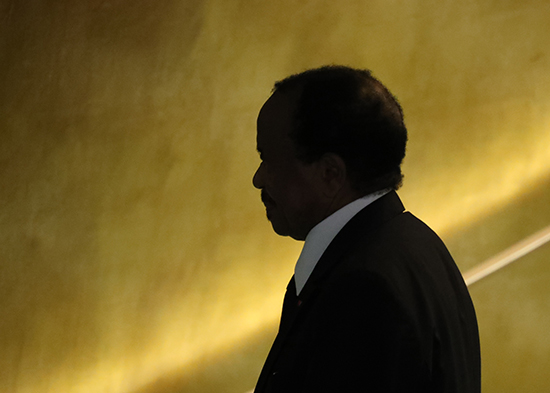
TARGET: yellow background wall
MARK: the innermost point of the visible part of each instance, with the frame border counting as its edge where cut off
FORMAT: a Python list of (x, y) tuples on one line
[(134, 252)]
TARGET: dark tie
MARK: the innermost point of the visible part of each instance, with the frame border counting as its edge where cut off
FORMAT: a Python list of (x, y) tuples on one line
[(290, 306)]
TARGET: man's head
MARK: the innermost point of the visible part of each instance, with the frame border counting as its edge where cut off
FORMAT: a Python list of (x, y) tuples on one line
[(326, 137)]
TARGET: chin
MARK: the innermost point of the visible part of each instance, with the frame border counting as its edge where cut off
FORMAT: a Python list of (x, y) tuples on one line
[(287, 232), (281, 231), (281, 226)]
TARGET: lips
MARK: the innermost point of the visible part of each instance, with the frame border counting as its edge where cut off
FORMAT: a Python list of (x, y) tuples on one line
[(266, 199), (268, 202)]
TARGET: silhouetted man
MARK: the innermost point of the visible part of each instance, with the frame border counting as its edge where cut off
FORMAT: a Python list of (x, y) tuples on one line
[(376, 303)]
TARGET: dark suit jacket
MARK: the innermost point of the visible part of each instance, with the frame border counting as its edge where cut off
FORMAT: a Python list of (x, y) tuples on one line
[(385, 310)]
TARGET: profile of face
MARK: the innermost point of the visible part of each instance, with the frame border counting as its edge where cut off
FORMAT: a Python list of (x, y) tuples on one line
[(291, 190)]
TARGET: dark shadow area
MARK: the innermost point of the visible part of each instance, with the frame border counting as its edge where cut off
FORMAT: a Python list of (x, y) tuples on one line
[(233, 371)]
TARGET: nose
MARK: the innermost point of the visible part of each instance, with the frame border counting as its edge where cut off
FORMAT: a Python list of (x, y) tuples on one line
[(257, 179)]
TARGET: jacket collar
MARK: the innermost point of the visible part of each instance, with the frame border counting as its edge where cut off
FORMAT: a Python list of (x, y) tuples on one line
[(367, 220)]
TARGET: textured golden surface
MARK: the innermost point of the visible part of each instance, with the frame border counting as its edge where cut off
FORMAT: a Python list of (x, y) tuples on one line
[(134, 252)]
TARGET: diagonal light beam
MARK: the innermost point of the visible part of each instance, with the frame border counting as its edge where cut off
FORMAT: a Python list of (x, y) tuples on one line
[(507, 256)]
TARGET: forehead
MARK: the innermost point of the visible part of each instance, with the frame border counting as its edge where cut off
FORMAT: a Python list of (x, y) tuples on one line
[(275, 121)]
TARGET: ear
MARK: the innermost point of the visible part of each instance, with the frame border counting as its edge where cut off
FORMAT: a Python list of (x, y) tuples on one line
[(333, 172)]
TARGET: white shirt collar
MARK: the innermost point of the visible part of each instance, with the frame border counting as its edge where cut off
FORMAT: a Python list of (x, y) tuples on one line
[(321, 235)]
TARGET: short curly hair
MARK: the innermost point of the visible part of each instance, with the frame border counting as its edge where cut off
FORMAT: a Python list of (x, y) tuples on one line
[(349, 112)]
